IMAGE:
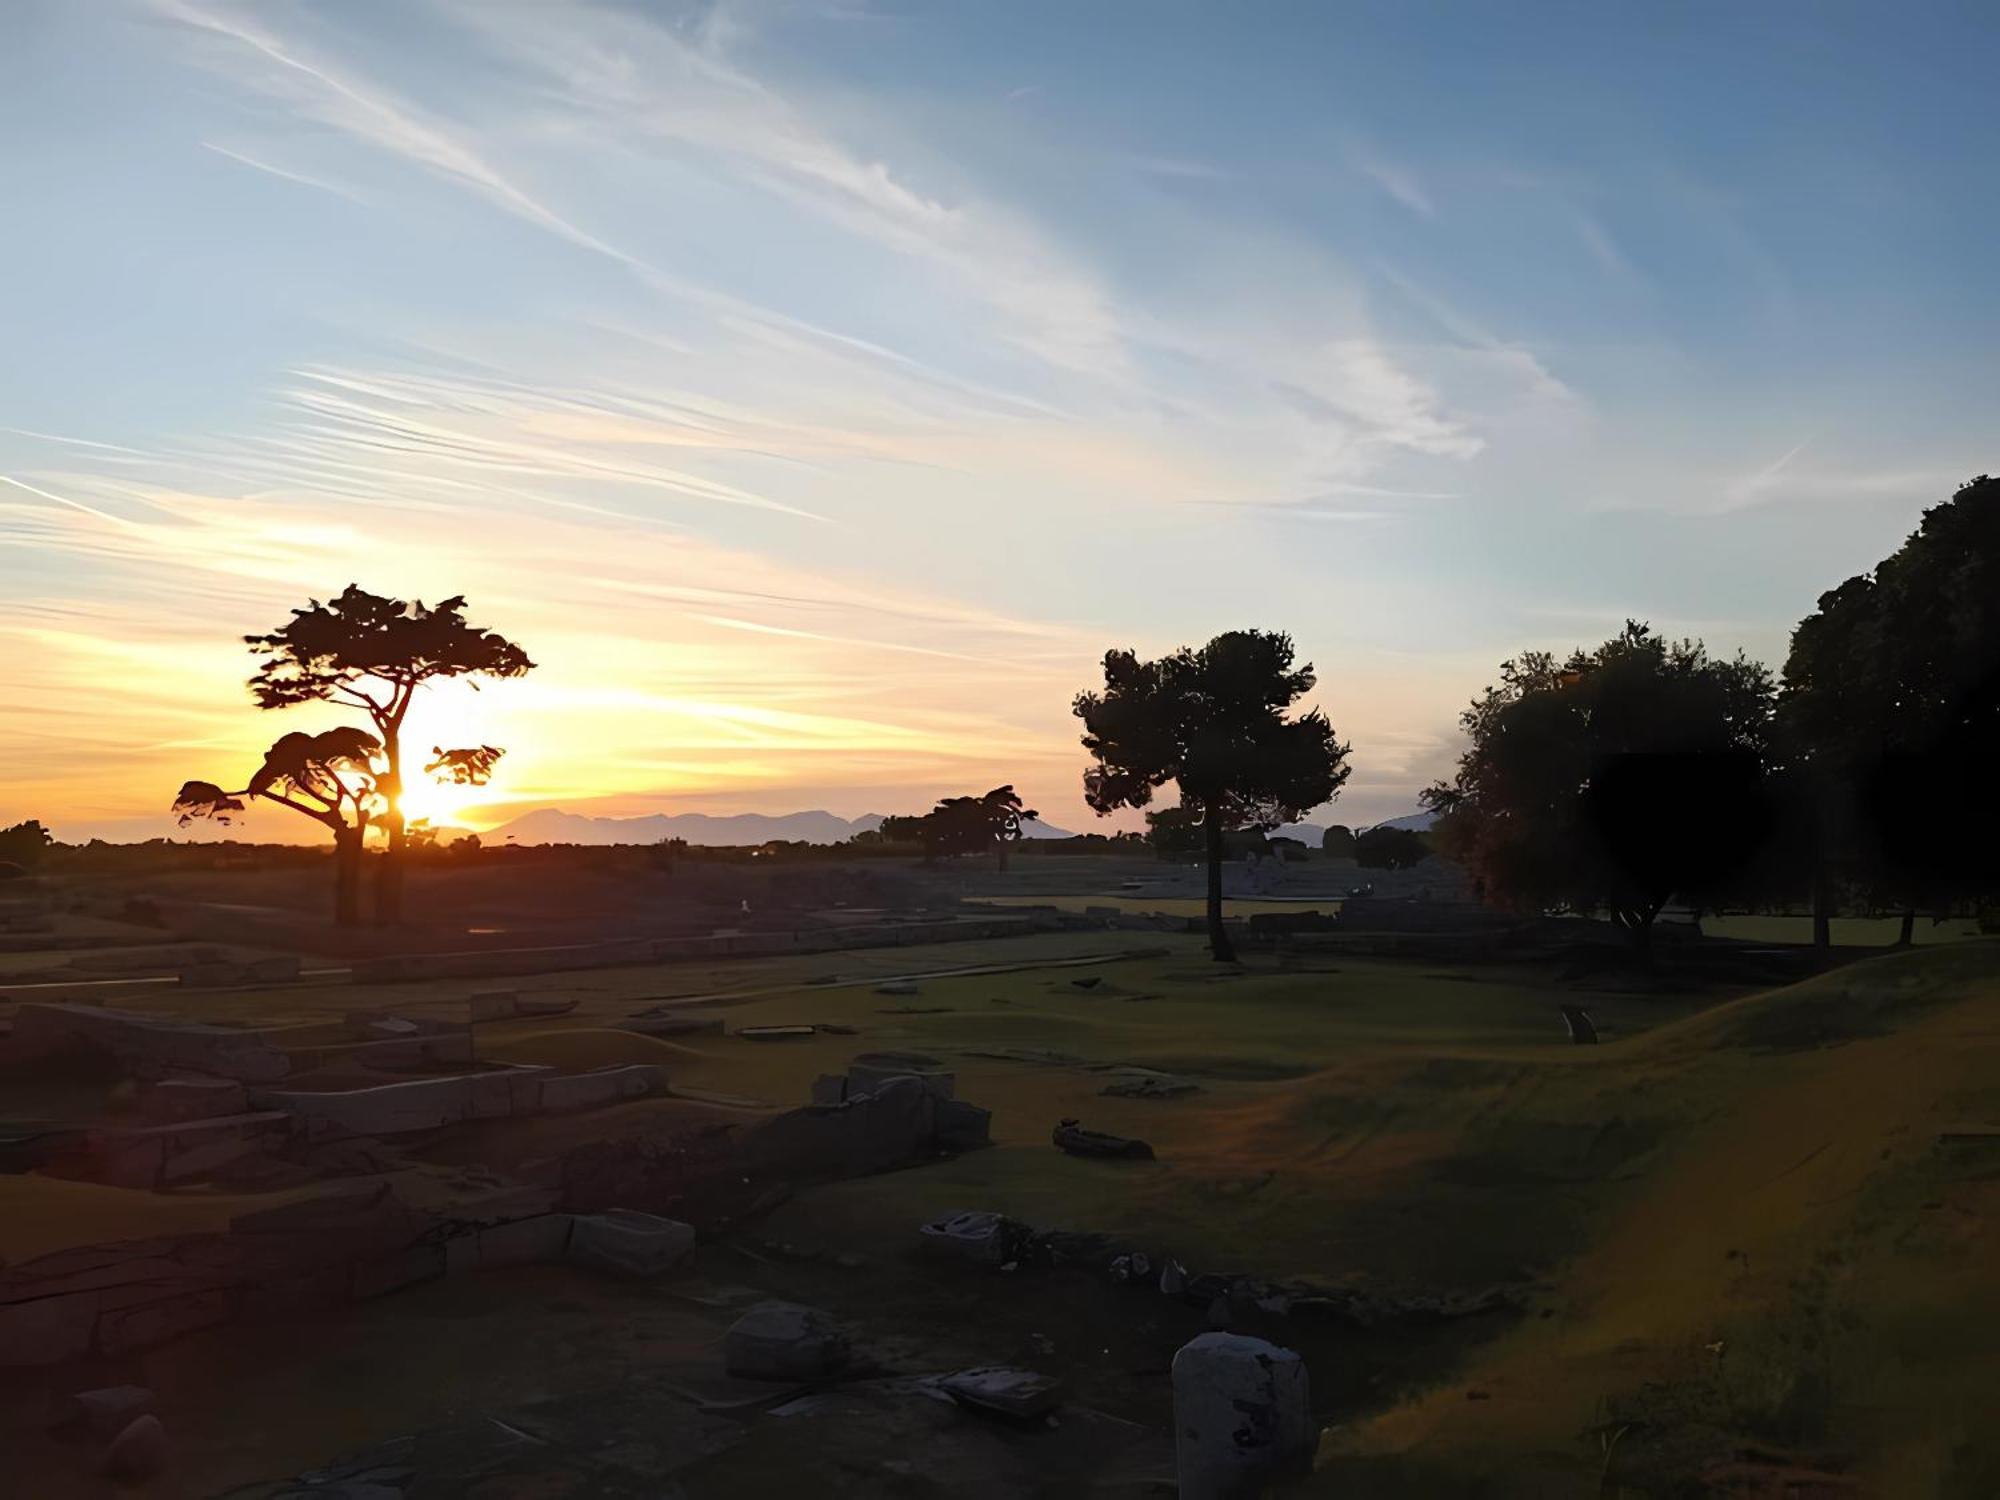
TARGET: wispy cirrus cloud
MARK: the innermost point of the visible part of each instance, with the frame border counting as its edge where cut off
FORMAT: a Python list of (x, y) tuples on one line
[(285, 174), (1399, 182)]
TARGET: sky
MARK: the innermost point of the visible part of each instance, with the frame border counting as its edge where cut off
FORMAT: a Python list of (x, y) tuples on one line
[(817, 388)]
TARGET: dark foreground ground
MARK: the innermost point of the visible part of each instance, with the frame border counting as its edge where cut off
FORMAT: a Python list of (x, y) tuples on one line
[(1744, 1243)]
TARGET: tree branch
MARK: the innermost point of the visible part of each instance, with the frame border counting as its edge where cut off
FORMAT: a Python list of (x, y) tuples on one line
[(329, 817)]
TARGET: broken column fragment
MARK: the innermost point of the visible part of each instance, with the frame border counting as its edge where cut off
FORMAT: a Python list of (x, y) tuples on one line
[(1071, 1137), (1241, 1416)]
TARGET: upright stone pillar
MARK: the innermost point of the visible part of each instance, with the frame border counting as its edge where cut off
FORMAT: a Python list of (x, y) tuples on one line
[(1241, 1417)]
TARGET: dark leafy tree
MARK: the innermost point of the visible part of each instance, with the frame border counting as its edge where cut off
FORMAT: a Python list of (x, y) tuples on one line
[(332, 778), (899, 828), (469, 767), (1386, 848), (25, 843), (668, 854), (1338, 841), (975, 825), (1212, 721), (1891, 717), (1175, 833), (375, 653), (1613, 780)]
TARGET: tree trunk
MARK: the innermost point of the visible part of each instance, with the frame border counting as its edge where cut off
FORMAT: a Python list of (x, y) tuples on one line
[(389, 879), (1822, 911), (1638, 924), (347, 877), (1218, 935), (1908, 934), (1001, 847)]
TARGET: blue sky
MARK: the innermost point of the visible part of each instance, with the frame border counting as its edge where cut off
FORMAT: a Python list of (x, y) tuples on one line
[(818, 388)]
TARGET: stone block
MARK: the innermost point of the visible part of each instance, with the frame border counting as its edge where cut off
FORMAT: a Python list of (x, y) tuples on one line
[(784, 1341), (176, 1099), (984, 1239), (106, 1412), (963, 1126), (870, 1070), (492, 1005), (829, 1088), (1021, 1395), (892, 1127), (380, 1275), (153, 1156), (399, 1108), (516, 1242), (628, 1242), (139, 1451), (49, 1330), (125, 1330), (150, 1047), (602, 1086), (1241, 1416)]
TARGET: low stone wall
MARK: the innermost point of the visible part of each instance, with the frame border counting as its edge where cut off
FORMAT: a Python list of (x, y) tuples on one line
[(110, 1301), (163, 1156), (403, 967), (148, 1046), (431, 1103), (223, 973)]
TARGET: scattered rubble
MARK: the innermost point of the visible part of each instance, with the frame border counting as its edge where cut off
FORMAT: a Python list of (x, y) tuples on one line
[(1143, 1083), (996, 1241), (985, 1239)]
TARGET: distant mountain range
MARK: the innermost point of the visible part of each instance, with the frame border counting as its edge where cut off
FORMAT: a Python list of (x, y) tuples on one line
[(1418, 822), (552, 825), (1310, 834)]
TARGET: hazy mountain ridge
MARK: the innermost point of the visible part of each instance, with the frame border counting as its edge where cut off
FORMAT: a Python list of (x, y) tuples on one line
[(553, 825), (1310, 834)]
